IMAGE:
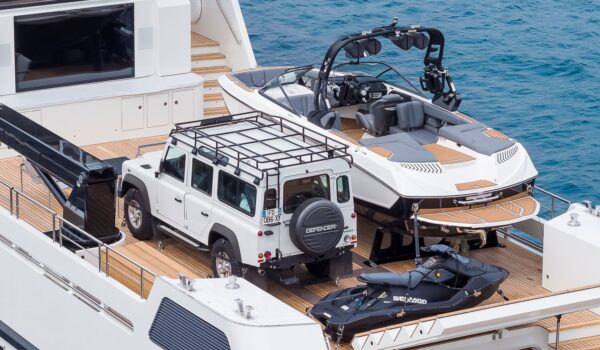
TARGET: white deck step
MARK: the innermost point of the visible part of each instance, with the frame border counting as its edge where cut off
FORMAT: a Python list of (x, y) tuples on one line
[(208, 60)]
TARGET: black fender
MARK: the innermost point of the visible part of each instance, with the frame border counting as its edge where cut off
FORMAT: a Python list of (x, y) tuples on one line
[(220, 230), (130, 181)]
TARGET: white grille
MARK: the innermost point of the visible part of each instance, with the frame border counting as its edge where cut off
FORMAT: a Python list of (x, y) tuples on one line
[(507, 154), (432, 168)]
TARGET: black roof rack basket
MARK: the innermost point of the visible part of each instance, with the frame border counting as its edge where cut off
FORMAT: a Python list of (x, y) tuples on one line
[(303, 145)]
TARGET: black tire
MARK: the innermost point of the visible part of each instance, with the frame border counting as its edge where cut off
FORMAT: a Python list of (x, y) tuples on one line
[(319, 268), (140, 228), (222, 249)]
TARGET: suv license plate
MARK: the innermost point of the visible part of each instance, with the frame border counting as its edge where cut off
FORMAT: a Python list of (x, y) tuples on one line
[(271, 216)]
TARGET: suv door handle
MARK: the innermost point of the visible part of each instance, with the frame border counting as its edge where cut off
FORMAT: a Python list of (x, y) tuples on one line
[(204, 214), (177, 199)]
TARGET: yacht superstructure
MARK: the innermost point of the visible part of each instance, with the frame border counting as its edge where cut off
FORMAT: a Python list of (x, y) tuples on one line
[(155, 294)]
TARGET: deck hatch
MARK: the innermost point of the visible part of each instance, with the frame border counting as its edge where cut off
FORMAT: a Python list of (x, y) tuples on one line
[(174, 327)]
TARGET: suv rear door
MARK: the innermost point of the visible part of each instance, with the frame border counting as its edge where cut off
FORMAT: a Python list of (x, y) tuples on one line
[(199, 199), (296, 190)]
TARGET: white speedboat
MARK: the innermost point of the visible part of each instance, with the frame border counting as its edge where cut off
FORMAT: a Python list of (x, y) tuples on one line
[(411, 153)]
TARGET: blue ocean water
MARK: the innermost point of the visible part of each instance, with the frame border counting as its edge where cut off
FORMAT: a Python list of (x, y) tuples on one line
[(530, 69)]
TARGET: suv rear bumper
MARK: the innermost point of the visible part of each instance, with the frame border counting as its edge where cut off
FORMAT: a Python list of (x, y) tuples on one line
[(288, 262)]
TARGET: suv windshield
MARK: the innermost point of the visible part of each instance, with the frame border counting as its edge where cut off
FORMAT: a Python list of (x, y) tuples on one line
[(296, 191)]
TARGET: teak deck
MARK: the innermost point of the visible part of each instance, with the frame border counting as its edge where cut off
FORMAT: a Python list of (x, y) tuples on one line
[(525, 267)]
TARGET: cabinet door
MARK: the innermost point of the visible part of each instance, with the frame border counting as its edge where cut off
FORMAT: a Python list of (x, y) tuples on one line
[(158, 110), (183, 106), (132, 113)]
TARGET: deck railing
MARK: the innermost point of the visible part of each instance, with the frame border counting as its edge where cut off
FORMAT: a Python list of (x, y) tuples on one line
[(555, 200), (48, 221)]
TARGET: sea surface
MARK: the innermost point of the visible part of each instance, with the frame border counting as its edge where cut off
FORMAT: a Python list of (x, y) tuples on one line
[(530, 69)]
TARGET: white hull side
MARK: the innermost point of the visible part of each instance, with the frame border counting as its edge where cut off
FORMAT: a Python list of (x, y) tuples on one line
[(51, 314)]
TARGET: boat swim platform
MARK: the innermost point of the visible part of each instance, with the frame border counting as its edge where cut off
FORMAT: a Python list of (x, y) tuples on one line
[(525, 267)]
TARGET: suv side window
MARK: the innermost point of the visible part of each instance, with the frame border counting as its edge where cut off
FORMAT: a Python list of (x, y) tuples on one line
[(174, 163), (237, 193), (343, 189), (202, 176)]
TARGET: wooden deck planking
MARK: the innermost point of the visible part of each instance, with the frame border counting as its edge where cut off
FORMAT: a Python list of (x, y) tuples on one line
[(525, 267)]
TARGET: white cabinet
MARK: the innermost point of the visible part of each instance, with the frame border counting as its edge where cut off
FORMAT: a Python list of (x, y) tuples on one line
[(183, 106), (158, 109), (132, 113)]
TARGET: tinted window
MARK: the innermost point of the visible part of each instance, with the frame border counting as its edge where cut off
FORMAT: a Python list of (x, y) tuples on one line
[(74, 47), (174, 163), (343, 189), (298, 190), (237, 193), (8, 4), (202, 175)]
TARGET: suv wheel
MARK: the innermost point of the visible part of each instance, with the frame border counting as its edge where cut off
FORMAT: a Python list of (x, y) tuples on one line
[(319, 268), (223, 260), (136, 215)]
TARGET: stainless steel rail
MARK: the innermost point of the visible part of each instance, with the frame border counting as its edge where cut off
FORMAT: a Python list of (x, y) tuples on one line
[(64, 283), (553, 199), (148, 145), (17, 201)]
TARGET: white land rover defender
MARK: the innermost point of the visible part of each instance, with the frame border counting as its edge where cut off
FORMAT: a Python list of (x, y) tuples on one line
[(258, 191)]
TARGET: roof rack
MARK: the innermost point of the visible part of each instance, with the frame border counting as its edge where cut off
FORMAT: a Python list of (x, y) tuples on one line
[(262, 143)]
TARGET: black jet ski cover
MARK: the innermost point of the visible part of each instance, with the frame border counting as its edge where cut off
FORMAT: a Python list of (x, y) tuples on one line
[(444, 283)]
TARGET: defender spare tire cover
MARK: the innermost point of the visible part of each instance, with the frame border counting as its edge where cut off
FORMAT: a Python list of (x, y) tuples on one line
[(316, 226)]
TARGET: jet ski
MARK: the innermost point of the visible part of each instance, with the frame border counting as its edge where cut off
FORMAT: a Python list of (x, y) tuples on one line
[(446, 282)]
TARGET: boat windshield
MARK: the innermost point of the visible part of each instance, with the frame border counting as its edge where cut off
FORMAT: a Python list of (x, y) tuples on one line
[(380, 70), (290, 76)]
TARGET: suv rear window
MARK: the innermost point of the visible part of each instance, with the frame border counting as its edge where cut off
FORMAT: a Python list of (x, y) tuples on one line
[(237, 193), (296, 191)]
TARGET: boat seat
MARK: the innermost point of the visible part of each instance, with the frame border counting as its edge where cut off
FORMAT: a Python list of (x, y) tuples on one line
[(412, 120), (381, 114), (471, 135), (410, 115), (403, 147), (301, 98), (407, 279), (257, 78)]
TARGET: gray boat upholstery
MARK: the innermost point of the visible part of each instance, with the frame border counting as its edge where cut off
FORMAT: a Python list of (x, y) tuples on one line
[(471, 135), (301, 98), (257, 78), (403, 147), (418, 124), (412, 120), (409, 279), (381, 114), (410, 115)]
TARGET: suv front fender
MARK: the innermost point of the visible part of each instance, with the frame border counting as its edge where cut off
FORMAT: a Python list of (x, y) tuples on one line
[(130, 181), (220, 230)]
